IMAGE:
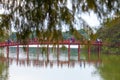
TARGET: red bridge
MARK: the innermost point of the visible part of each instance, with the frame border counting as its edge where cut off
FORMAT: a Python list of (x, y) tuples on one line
[(65, 42)]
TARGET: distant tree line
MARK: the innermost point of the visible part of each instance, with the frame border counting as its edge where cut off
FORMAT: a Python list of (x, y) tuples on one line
[(110, 33)]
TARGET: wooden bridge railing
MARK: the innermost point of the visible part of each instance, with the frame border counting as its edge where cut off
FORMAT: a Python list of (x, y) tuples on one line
[(65, 42)]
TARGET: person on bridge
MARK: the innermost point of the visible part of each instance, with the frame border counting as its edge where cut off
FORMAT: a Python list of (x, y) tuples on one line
[(72, 39), (8, 41), (99, 40)]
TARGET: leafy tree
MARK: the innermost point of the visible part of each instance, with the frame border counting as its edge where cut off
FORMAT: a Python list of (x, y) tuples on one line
[(4, 28), (110, 33), (50, 15), (3, 68)]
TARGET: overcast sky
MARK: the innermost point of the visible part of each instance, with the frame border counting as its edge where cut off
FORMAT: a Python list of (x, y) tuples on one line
[(90, 19)]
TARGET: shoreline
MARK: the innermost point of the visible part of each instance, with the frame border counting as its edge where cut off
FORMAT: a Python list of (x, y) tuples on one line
[(50, 46)]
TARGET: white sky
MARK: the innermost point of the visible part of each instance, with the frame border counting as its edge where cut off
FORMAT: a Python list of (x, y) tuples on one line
[(1, 11), (91, 19)]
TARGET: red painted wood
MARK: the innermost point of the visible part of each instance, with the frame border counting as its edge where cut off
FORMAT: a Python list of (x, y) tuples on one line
[(69, 52), (99, 44), (64, 42), (88, 51), (47, 52), (78, 51), (27, 51), (37, 51), (2, 44), (7, 52), (58, 54), (17, 52)]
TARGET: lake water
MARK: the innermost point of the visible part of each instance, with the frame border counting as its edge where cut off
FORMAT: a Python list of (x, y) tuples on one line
[(38, 68)]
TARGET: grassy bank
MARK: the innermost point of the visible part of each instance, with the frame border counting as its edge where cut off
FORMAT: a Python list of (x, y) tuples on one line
[(110, 67)]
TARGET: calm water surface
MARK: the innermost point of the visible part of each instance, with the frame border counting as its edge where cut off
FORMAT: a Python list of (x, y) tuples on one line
[(39, 69)]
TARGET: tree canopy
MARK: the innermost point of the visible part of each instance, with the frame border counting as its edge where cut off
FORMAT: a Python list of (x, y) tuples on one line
[(110, 33), (50, 16)]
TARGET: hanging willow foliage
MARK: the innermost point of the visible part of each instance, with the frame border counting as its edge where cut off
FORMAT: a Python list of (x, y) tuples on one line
[(46, 17)]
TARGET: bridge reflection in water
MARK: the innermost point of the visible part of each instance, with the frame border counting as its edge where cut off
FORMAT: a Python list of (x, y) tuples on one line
[(65, 42), (47, 62), (17, 60), (48, 53), (51, 63)]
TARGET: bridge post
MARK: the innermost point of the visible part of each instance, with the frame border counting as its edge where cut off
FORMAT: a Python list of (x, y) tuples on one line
[(88, 52), (37, 51), (47, 52), (69, 51), (17, 52), (78, 52), (88, 49), (7, 52), (27, 51), (99, 44), (58, 54)]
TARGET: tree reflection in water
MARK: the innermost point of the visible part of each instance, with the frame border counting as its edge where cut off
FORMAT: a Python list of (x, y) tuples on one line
[(3, 68), (110, 68), (51, 63), (107, 65), (32, 62)]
